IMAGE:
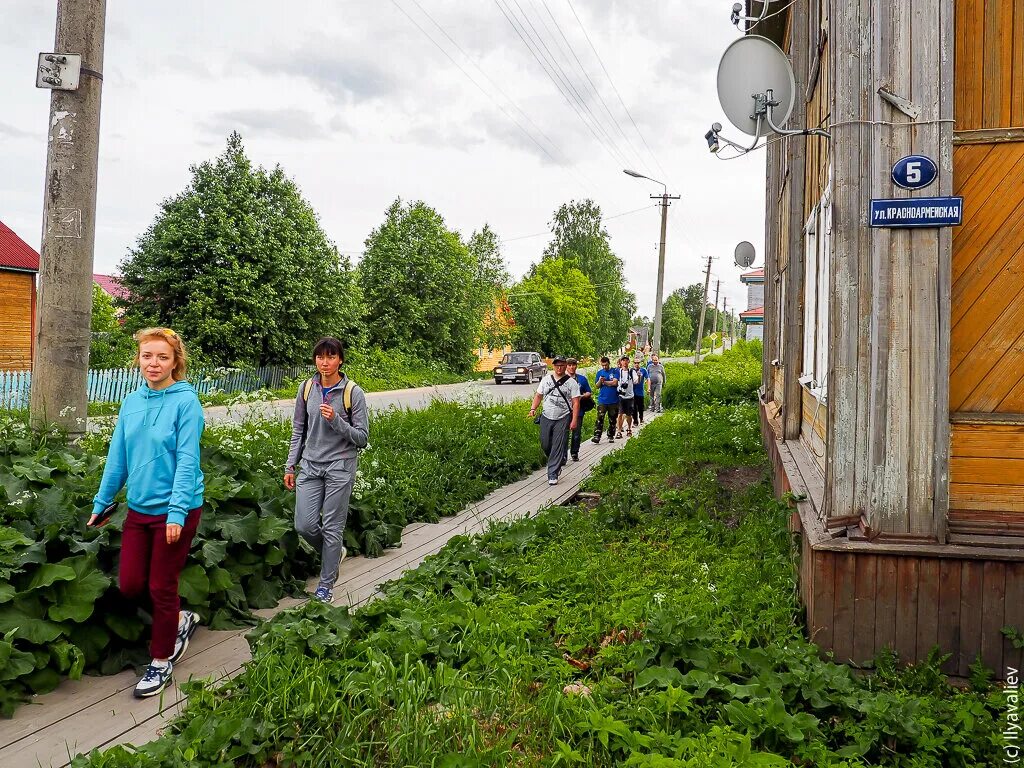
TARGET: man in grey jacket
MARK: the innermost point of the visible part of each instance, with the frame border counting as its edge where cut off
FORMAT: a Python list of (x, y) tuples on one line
[(329, 426), (656, 377)]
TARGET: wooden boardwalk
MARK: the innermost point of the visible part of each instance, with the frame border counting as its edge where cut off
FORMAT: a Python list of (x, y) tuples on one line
[(99, 712)]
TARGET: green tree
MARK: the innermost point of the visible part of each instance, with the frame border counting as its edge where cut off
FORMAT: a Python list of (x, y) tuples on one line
[(555, 309), (490, 283), (111, 346), (579, 238), (692, 296), (676, 328), (238, 265), (419, 283)]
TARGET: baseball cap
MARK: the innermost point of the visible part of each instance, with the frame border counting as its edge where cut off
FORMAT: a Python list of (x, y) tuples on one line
[(558, 359)]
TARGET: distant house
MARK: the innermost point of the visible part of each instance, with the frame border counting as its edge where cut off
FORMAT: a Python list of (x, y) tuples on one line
[(112, 286), (19, 265), (753, 317), (498, 321)]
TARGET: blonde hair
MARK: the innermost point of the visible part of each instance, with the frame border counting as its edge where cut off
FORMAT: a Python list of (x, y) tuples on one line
[(172, 338)]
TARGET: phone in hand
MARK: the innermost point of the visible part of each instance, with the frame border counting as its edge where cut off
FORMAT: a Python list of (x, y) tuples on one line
[(103, 516)]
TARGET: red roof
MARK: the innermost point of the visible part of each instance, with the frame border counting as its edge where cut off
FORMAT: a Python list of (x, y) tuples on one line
[(752, 313), (752, 275), (111, 285), (15, 253)]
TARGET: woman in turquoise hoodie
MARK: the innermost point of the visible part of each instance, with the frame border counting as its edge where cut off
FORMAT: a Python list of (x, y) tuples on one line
[(155, 450)]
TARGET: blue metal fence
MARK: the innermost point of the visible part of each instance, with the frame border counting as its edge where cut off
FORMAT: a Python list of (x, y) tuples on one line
[(114, 384)]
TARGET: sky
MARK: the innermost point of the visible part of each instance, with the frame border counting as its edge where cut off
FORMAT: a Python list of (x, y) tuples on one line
[(363, 101)]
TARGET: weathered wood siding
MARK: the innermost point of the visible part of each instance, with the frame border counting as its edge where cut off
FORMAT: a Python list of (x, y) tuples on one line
[(989, 87), (814, 428), (17, 296)]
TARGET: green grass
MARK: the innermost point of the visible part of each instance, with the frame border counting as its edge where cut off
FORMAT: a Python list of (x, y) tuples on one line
[(659, 628)]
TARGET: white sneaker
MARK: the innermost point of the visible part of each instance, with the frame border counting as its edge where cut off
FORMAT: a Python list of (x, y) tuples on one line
[(186, 628), (552, 481), (155, 679)]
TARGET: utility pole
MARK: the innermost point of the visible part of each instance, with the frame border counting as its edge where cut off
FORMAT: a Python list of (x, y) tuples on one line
[(61, 364), (703, 307), (718, 285), (665, 198), (725, 322)]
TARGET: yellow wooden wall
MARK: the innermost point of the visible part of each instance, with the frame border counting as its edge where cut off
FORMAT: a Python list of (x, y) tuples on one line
[(986, 382), (16, 295)]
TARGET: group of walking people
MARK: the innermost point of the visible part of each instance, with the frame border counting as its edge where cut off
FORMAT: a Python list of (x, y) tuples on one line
[(154, 451), (564, 395)]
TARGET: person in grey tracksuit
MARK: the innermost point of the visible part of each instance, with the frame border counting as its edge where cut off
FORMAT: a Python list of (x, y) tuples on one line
[(323, 458), (656, 377)]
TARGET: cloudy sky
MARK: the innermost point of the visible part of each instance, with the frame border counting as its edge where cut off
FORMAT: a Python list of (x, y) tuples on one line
[(357, 102)]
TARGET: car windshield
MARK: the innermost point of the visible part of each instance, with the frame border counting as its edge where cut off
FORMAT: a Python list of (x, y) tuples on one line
[(516, 358)]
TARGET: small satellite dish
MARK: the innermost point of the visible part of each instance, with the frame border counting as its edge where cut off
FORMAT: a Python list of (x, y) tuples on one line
[(750, 67), (744, 254)]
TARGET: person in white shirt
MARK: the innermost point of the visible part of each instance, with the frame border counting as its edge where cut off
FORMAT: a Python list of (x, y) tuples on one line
[(560, 394)]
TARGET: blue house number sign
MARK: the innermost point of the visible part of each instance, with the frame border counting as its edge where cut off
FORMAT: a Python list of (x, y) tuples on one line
[(914, 172)]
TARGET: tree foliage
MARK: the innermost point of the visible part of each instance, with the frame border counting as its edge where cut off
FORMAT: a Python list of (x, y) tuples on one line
[(676, 327), (490, 285), (579, 239), (111, 346), (237, 263), (555, 309), (420, 285)]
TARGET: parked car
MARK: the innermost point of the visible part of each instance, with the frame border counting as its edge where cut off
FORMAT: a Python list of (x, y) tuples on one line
[(520, 366)]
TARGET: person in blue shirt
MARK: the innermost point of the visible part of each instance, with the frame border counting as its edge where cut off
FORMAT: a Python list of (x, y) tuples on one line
[(606, 383), (155, 452), (586, 404), (640, 371)]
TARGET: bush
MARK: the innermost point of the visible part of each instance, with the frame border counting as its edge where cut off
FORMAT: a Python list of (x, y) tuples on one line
[(732, 377), (60, 610)]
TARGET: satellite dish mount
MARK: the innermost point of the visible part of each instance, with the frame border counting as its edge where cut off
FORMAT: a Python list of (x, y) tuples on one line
[(757, 89)]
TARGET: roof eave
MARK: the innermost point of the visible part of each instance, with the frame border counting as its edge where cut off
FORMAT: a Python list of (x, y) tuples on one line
[(773, 28)]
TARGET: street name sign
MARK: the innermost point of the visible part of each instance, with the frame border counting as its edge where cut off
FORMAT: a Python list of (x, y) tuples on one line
[(917, 212)]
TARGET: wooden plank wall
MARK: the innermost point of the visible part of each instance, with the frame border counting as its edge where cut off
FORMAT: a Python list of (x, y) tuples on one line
[(858, 604), (887, 374), (16, 298), (814, 428), (989, 86), (986, 387)]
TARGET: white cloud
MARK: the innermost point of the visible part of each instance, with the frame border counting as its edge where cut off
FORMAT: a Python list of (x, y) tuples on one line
[(357, 105)]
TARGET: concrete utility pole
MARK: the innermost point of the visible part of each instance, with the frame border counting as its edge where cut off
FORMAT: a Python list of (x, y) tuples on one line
[(665, 199), (718, 285), (703, 307), (61, 363)]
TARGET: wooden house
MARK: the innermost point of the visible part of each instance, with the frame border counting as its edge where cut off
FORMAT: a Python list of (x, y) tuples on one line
[(753, 316), (893, 380), (19, 265)]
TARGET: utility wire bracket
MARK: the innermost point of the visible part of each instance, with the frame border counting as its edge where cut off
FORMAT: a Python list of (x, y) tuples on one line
[(59, 71), (904, 105)]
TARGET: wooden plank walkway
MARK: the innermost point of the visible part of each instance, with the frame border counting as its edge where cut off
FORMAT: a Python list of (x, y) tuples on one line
[(99, 712)]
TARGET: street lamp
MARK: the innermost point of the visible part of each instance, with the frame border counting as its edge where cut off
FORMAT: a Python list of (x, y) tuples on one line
[(664, 197)]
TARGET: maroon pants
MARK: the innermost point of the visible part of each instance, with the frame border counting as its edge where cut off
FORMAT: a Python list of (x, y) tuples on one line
[(148, 560)]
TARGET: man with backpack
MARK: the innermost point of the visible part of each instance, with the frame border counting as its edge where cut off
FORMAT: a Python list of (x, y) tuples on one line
[(586, 404), (560, 394), (329, 427)]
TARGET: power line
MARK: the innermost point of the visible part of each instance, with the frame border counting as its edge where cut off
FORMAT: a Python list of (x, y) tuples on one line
[(619, 95), (515, 24), (473, 80), (603, 218), (593, 87)]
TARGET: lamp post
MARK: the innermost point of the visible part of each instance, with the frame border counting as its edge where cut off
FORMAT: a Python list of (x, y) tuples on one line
[(664, 197)]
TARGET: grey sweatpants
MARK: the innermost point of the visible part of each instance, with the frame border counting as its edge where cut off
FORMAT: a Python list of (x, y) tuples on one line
[(553, 435), (656, 396), (322, 493)]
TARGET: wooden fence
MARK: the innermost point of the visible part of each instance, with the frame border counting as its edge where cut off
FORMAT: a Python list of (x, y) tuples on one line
[(114, 384)]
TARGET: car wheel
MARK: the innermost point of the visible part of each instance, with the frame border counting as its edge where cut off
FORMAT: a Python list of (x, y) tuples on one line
[(497, 381), (529, 377)]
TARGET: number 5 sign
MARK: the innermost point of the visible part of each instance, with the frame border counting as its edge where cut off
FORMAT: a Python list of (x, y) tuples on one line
[(914, 172)]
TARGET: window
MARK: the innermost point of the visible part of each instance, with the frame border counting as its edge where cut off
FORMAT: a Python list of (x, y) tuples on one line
[(810, 294), (817, 257)]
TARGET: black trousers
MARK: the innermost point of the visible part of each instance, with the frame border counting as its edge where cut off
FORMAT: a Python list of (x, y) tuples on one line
[(613, 412), (638, 409), (572, 439)]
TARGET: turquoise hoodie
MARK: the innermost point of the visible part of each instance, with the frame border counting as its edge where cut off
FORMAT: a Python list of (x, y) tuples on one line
[(155, 449)]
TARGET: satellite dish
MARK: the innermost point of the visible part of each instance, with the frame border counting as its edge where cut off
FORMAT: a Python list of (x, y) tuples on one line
[(750, 67), (744, 254)]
